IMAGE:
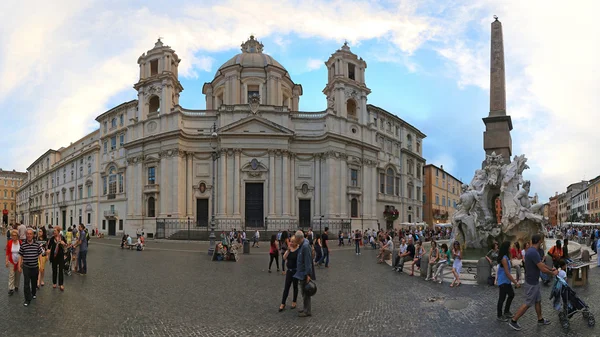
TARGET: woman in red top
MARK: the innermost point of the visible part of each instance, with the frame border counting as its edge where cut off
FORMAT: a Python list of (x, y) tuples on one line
[(274, 253), (12, 261), (516, 258)]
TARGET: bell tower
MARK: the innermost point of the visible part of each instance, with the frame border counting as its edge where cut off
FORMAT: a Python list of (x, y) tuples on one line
[(158, 87), (346, 90)]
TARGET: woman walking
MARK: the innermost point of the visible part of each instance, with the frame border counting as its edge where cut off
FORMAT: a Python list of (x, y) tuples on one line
[(504, 283), (56, 250), (12, 261), (457, 265), (291, 256), (42, 259), (283, 246), (274, 253)]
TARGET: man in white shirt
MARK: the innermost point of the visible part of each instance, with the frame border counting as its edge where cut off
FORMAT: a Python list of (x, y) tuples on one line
[(22, 232), (401, 252)]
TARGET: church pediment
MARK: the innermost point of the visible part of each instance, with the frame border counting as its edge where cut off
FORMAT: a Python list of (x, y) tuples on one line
[(255, 125)]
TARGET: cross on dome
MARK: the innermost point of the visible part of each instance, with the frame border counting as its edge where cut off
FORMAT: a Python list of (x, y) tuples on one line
[(252, 46)]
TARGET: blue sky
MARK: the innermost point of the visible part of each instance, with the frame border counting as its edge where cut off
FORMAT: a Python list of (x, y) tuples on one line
[(63, 63)]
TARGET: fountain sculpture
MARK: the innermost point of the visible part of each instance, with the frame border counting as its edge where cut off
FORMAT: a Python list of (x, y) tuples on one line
[(496, 205)]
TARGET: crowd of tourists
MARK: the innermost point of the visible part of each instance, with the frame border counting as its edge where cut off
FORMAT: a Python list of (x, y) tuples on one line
[(29, 249)]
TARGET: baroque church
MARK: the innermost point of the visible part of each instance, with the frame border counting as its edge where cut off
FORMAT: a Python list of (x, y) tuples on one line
[(250, 160)]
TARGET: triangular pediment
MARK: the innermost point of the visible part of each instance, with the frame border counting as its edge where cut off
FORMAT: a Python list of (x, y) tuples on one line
[(255, 125)]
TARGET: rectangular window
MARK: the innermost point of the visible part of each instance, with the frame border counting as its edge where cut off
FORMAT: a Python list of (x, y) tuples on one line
[(80, 191), (351, 69), (381, 183), (112, 184), (436, 181), (121, 139), (437, 172), (437, 199), (121, 187), (103, 225), (71, 195), (353, 177), (89, 218), (418, 193), (121, 119), (104, 185), (105, 146), (151, 175), (89, 191), (153, 67), (397, 186), (443, 201), (120, 224), (113, 142), (410, 191), (443, 175), (105, 127)]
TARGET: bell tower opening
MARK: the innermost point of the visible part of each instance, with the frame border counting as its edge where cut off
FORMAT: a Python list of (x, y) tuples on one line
[(154, 104), (351, 109), (351, 69), (153, 67)]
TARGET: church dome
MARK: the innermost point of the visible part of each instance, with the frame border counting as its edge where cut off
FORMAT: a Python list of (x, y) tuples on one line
[(252, 56)]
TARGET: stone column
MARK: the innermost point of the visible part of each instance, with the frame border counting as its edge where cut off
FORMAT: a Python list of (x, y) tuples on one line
[(317, 208), (165, 190), (343, 200), (374, 183), (221, 180), (236, 183), (293, 184), (230, 182), (175, 193), (189, 198), (331, 186), (271, 183), (285, 182)]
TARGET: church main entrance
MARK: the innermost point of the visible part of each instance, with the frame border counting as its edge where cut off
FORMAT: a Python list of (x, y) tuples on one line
[(254, 205)]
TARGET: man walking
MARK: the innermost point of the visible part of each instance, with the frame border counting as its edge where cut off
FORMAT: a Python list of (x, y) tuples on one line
[(533, 295), (30, 251), (22, 232), (304, 271), (325, 247), (357, 238), (82, 243)]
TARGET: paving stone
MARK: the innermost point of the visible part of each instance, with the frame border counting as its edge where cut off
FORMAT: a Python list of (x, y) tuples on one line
[(172, 289)]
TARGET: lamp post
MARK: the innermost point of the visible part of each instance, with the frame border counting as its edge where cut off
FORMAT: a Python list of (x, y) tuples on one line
[(320, 227), (215, 156)]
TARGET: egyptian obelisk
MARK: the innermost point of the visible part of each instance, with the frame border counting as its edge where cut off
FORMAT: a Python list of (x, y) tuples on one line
[(496, 137)]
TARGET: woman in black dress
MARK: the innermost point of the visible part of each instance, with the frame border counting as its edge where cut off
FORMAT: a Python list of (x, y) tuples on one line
[(57, 247), (291, 256)]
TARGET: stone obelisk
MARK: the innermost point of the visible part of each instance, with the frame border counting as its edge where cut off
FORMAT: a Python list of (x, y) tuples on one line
[(496, 137)]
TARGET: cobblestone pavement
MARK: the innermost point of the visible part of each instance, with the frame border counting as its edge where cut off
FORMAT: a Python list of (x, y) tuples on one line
[(172, 289)]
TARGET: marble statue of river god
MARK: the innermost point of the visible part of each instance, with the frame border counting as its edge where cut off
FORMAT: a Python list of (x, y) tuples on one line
[(496, 206)]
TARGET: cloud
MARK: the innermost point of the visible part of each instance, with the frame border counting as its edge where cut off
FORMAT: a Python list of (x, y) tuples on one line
[(313, 64), (63, 61), (447, 161)]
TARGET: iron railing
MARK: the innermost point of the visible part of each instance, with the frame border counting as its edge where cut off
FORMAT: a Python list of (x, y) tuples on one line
[(180, 229)]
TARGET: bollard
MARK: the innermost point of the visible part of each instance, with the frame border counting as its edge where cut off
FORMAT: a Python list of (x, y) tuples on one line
[(246, 247), (484, 270), (585, 256), (424, 265)]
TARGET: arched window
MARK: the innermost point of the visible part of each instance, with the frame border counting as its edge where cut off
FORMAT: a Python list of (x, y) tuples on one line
[(113, 122), (154, 104), (89, 168), (389, 181), (354, 208), (112, 180), (409, 142), (351, 108), (151, 207)]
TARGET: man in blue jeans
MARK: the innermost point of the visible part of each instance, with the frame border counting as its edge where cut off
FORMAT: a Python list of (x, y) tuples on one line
[(82, 243), (325, 248), (357, 238)]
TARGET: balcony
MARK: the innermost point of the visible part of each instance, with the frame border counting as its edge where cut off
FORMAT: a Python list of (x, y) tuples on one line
[(62, 203), (151, 188), (111, 214), (111, 196), (351, 189)]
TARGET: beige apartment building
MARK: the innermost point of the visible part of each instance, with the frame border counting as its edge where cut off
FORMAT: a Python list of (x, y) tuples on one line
[(10, 181), (441, 194)]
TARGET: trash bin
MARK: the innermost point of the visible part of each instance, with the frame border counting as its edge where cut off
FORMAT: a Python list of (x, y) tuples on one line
[(484, 270), (246, 247)]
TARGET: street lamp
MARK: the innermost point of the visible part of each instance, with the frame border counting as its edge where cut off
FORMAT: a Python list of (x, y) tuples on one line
[(320, 228), (215, 155)]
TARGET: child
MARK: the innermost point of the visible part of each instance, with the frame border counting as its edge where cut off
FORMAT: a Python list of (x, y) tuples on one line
[(562, 273)]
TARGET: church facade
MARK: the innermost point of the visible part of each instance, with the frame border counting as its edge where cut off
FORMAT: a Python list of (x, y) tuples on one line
[(251, 159)]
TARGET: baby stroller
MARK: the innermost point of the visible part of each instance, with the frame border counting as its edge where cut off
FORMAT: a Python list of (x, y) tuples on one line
[(68, 257), (568, 304)]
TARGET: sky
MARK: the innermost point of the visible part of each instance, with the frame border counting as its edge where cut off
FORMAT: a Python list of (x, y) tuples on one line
[(63, 63)]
